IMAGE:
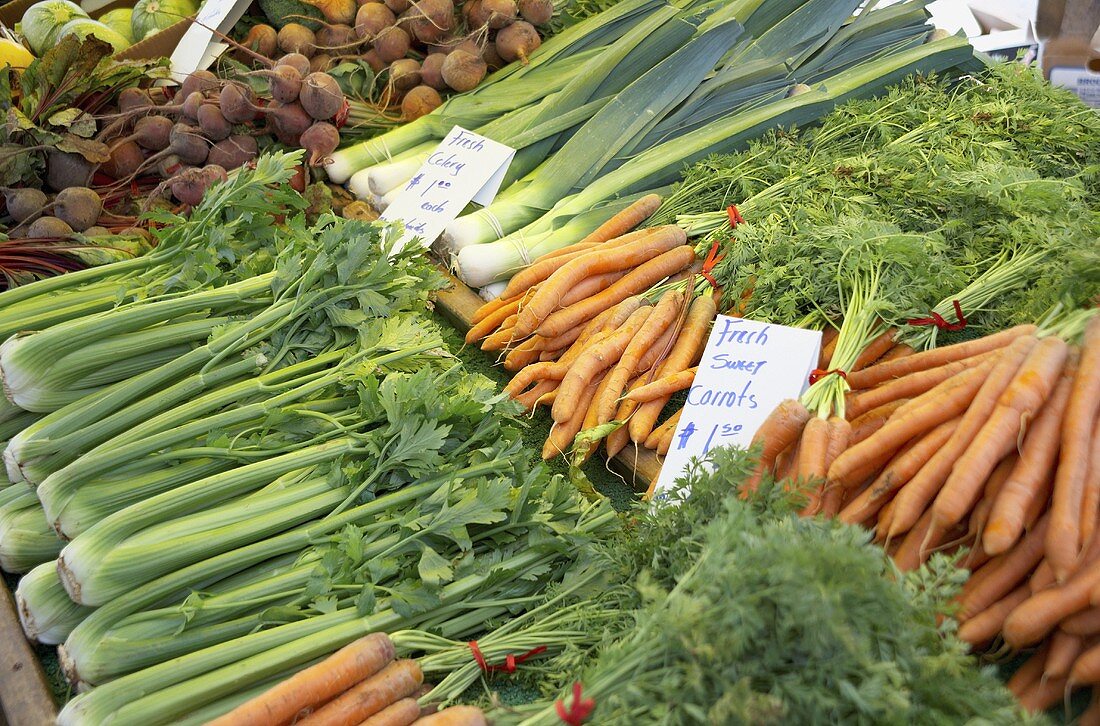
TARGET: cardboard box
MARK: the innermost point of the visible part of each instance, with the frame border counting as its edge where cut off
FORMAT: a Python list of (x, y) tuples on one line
[(1066, 30), (159, 45)]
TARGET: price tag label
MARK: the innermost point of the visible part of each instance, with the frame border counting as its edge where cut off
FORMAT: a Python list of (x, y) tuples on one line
[(747, 369), (465, 167), (197, 48)]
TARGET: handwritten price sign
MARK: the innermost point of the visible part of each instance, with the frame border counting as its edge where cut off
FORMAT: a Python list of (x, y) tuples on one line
[(466, 167), (747, 369)]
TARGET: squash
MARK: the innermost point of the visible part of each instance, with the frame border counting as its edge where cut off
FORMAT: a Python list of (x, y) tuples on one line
[(83, 27), (153, 16), (119, 21), (41, 23)]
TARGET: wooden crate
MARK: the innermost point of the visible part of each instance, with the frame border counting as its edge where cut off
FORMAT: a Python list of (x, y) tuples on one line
[(24, 692)]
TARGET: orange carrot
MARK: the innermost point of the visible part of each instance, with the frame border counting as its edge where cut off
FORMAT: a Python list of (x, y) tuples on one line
[(491, 307), (915, 496), (591, 418), (663, 315), (907, 387), (1040, 613), (596, 359), (828, 347), (1090, 508), (787, 461), (544, 267), (780, 429), (504, 336), (626, 219), (840, 433), (1042, 578), (660, 429), (1064, 649), (898, 351), (949, 388), (669, 433), (1029, 673), (997, 435), (1086, 669), (1007, 572), (1043, 694), (980, 513), (920, 542), (870, 422), (985, 625), (637, 281), (1086, 622), (811, 459), (530, 399), (1091, 715), (875, 349), (562, 434), (455, 716), (394, 682), (591, 286), (520, 356), (936, 357), (664, 386), (634, 254), (1033, 470), (314, 685), (492, 321), (897, 473), (400, 713)]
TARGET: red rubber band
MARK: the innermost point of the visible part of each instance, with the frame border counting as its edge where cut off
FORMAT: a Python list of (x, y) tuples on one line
[(735, 215), (579, 711), (510, 661), (939, 321), (818, 373)]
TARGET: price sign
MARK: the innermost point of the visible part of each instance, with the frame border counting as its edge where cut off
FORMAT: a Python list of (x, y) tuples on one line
[(465, 167), (197, 48), (747, 369)]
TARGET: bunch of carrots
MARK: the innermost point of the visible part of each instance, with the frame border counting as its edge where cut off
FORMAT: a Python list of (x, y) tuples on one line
[(603, 331), (359, 685), (992, 445)]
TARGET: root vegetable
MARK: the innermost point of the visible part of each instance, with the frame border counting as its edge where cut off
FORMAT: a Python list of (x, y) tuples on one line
[(336, 37), (167, 166), (213, 123), (289, 121), (78, 207), (24, 204), (320, 63), (320, 140), (372, 19), (372, 59), (298, 61), (338, 12), (189, 186), (536, 12), (237, 103), (430, 20), (284, 83), (187, 143), (398, 6), (431, 71), (297, 38), (201, 81), (404, 74), (153, 132), (321, 96), (96, 232), (65, 169), (191, 103), (131, 99), (48, 227), (392, 43), (463, 71), (491, 57), (498, 14), (262, 39), (234, 152), (518, 41), (420, 101), (126, 159)]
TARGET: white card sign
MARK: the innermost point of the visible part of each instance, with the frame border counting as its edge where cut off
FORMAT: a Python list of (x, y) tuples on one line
[(465, 167), (747, 369), (197, 48)]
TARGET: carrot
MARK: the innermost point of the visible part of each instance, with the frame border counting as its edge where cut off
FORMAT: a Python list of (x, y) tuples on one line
[(900, 470), (1086, 669), (1028, 673), (455, 716), (504, 336), (634, 254), (536, 372), (561, 342), (396, 681), (920, 542), (1033, 470), (875, 349), (314, 685), (1029, 389), (591, 286), (906, 387), (851, 466), (493, 320), (980, 514), (567, 250), (1086, 622), (898, 351), (1044, 694), (787, 461), (1006, 572), (1090, 508), (591, 417), (1042, 578), (885, 516), (1064, 649), (780, 429), (840, 432), (827, 347), (662, 316), (1040, 613), (985, 625), (870, 422), (670, 432), (664, 386), (544, 267), (638, 280), (1091, 715), (520, 356), (620, 313), (811, 458), (979, 371), (531, 398), (1073, 459), (400, 713), (936, 357), (923, 488), (626, 219), (562, 434), (659, 431), (596, 359), (660, 349)]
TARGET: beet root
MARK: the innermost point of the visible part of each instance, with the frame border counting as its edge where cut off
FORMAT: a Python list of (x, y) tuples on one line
[(25, 204), (234, 152), (320, 140), (49, 227), (321, 96), (64, 170), (126, 159), (153, 132), (297, 38), (262, 39), (78, 207), (518, 41), (213, 124), (188, 143), (288, 121), (462, 71), (237, 103), (420, 101), (297, 61)]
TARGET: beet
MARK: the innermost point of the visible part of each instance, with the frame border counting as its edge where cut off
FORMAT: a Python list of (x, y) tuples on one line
[(288, 121), (188, 144), (297, 38), (431, 20), (96, 231), (371, 59), (537, 12), (498, 13), (49, 227), (337, 37), (491, 57), (64, 170), (233, 152), (126, 159), (420, 101), (463, 71), (320, 63), (518, 41), (466, 44), (320, 140), (24, 204), (78, 207), (471, 13), (190, 106), (431, 71), (262, 39), (212, 123), (167, 166), (338, 12), (284, 83), (404, 74), (201, 81), (153, 132), (392, 43), (297, 61), (190, 185), (398, 6), (237, 103), (371, 19), (321, 96), (131, 99)]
